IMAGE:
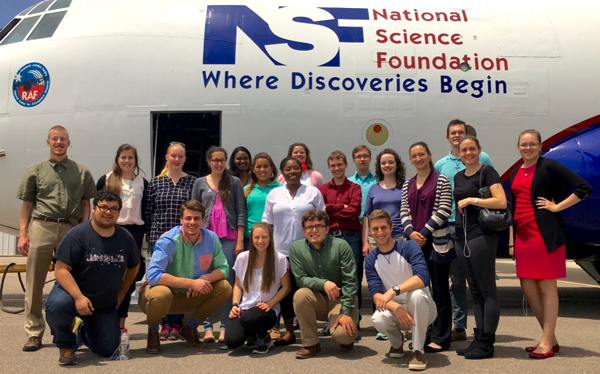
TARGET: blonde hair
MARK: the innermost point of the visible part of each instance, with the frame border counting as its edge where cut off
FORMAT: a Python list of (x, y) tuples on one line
[(166, 168), (58, 128)]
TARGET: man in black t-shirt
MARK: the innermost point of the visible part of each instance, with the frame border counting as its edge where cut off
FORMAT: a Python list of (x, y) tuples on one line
[(96, 262)]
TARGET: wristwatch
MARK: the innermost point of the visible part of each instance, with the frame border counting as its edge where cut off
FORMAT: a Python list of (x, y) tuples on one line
[(396, 290), (235, 304)]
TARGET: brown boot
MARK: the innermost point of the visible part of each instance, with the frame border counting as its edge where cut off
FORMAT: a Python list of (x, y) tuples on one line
[(153, 346), (308, 352), (191, 336), (33, 344)]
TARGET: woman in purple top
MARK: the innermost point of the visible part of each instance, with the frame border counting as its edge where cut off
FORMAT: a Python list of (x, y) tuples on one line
[(386, 194), (426, 207)]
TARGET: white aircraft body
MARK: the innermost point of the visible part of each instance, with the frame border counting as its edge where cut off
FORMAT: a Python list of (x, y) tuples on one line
[(265, 74)]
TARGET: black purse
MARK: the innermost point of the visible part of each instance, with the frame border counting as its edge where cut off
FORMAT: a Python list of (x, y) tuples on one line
[(492, 219)]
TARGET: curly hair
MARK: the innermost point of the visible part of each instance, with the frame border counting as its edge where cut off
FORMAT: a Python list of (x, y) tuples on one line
[(253, 177), (400, 169)]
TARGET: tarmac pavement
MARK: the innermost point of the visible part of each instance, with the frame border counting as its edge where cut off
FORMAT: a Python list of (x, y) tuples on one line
[(578, 331)]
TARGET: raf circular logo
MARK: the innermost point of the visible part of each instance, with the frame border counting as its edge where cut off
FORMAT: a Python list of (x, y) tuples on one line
[(31, 84)]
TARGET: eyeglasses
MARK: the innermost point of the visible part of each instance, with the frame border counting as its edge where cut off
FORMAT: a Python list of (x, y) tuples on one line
[(362, 157), (311, 228), (104, 209), (218, 160), (528, 145), (177, 143)]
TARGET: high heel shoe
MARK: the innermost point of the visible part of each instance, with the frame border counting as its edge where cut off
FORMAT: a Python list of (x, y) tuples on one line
[(540, 356), (555, 348)]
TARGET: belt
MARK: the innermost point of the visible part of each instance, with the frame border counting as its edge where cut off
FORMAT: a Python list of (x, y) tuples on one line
[(343, 232), (55, 220)]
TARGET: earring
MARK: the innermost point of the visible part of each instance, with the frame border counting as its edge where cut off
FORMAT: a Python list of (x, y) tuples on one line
[(272, 175)]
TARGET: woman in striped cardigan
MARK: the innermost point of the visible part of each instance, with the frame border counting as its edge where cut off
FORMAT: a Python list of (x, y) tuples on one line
[(426, 207)]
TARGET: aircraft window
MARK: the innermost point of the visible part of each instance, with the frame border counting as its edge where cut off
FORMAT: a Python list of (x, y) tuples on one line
[(41, 7), (59, 4), (8, 27), (26, 10), (47, 26), (21, 31)]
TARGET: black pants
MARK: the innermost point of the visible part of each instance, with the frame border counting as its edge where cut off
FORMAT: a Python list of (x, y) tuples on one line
[(478, 263), (440, 331), (287, 304), (137, 232), (252, 322)]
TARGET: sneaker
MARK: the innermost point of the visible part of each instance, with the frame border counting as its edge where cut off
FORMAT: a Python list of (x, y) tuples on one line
[(165, 333), (381, 336), (458, 335), (396, 352), (262, 345), (174, 333), (418, 361), (77, 327), (67, 357), (251, 341)]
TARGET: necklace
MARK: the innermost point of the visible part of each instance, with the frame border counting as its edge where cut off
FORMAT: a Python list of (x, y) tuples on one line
[(387, 257), (293, 194), (458, 162), (527, 170)]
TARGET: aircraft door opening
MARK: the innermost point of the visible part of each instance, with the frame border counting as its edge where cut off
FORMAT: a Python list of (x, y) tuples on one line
[(197, 130)]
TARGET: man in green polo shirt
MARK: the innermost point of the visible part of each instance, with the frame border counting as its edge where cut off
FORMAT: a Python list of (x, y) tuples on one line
[(326, 276), (56, 197)]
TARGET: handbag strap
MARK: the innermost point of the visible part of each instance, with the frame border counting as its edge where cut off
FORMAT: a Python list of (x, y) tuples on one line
[(481, 175)]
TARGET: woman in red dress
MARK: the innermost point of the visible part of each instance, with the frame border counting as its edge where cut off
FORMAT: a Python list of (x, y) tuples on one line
[(537, 240)]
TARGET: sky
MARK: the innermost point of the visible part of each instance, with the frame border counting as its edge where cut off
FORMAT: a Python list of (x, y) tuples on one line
[(10, 8)]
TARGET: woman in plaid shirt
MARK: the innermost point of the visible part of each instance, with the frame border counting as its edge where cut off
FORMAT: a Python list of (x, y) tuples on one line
[(166, 193)]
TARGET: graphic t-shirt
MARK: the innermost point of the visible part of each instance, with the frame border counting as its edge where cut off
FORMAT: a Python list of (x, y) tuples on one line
[(98, 263)]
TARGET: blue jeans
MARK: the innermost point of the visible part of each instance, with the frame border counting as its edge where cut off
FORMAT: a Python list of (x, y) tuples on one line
[(355, 241), (100, 331), (458, 290), (229, 252)]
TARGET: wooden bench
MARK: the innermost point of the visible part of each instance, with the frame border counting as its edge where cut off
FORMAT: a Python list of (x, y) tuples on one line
[(13, 267)]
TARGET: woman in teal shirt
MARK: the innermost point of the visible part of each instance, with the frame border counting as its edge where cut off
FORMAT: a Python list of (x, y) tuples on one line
[(262, 180)]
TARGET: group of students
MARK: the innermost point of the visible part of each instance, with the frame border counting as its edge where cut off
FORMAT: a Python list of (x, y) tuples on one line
[(412, 234)]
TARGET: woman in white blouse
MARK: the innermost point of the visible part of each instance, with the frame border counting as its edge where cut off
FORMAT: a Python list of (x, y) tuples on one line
[(262, 279), (283, 210), (125, 181)]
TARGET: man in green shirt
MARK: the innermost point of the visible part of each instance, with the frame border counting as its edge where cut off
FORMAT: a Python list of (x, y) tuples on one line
[(187, 273), (56, 197), (326, 276)]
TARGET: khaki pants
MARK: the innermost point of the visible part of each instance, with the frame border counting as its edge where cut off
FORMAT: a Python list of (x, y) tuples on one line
[(311, 306), (44, 238), (158, 301)]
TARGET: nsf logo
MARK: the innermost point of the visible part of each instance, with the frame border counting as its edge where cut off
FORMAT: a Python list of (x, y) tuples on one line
[(286, 35), (31, 84)]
